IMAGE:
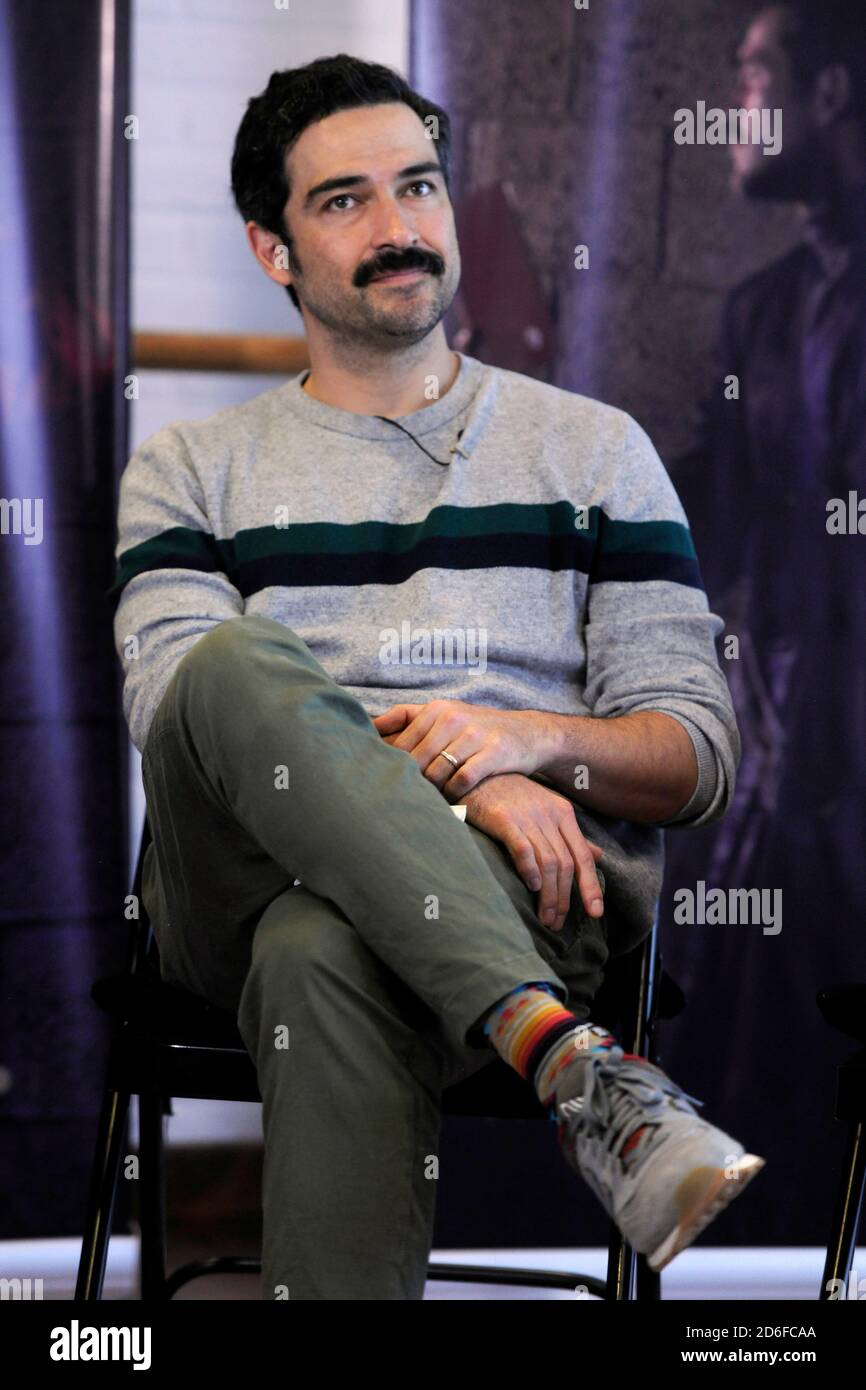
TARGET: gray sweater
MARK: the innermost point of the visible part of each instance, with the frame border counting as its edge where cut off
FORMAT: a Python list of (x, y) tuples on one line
[(547, 565)]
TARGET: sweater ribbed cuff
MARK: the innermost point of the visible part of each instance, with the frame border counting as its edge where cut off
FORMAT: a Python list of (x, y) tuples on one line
[(708, 772)]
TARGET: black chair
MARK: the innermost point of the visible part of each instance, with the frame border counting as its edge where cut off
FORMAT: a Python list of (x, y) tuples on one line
[(167, 1042), (844, 1007)]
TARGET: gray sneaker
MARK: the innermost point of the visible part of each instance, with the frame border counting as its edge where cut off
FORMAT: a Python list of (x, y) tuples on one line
[(681, 1172)]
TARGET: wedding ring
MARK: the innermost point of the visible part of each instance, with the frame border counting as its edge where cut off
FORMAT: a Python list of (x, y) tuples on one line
[(451, 758)]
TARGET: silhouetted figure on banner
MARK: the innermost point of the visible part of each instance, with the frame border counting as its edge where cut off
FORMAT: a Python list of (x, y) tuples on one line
[(783, 562), (772, 491)]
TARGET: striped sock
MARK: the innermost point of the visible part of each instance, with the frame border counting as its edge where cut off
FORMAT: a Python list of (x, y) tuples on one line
[(537, 1036)]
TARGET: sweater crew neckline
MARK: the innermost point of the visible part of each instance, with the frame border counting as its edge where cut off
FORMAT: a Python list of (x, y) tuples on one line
[(419, 422)]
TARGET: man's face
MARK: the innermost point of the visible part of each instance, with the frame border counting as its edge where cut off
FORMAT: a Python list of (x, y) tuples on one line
[(765, 80), (343, 235)]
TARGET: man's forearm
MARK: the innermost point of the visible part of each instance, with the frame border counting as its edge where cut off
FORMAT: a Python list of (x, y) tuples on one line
[(638, 767)]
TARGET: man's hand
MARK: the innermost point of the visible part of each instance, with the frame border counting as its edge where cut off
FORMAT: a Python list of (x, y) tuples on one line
[(540, 831), (482, 739)]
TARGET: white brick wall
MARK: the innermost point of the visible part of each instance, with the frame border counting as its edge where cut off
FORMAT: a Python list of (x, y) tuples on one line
[(195, 64)]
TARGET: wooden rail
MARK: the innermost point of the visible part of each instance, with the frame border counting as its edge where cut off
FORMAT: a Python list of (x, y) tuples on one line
[(220, 352)]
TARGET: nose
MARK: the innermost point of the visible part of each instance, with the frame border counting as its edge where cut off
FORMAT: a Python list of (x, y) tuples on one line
[(392, 226)]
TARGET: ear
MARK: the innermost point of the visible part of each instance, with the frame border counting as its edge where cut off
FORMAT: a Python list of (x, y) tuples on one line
[(832, 95), (270, 251)]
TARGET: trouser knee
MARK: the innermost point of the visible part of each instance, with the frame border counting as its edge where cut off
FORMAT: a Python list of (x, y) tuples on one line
[(314, 983), (255, 665), (223, 653)]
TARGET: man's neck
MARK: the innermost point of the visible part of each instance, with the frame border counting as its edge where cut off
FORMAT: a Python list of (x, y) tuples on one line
[(835, 225), (396, 386)]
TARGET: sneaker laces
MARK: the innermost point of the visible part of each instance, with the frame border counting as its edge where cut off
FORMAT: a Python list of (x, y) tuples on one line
[(620, 1096)]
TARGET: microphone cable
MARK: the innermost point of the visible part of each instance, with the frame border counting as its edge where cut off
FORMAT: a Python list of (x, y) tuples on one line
[(445, 463)]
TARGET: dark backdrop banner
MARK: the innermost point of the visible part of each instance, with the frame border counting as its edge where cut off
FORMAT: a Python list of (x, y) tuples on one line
[(575, 109), (63, 747)]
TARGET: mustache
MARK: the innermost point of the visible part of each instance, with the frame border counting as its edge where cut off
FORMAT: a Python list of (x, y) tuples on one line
[(408, 260)]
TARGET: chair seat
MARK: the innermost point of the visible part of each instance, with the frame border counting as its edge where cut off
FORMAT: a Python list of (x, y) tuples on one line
[(164, 1013), (844, 1007), (495, 1092)]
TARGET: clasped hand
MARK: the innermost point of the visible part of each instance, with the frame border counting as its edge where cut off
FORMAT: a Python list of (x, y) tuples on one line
[(497, 750), (482, 740)]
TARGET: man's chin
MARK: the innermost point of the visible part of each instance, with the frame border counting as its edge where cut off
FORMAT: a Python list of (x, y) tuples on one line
[(752, 183), (745, 173), (413, 330), (407, 327), (767, 180), (421, 312)]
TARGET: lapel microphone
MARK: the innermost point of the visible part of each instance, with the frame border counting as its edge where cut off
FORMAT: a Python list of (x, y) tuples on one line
[(455, 448)]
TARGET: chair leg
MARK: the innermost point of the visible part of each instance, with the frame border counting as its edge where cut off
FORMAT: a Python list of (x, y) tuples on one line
[(621, 1261), (151, 1197), (103, 1190), (846, 1219)]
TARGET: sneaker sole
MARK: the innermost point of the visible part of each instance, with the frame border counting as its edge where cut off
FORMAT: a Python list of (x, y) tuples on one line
[(701, 1196)]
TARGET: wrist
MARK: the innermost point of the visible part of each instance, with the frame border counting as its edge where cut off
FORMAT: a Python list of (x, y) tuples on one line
[(542, 740), (564, 752)]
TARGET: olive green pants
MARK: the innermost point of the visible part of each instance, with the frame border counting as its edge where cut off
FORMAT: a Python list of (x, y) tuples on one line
[(357, 992)]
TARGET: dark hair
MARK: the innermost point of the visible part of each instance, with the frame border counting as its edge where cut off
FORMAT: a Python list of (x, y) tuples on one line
[(819, 33), (294, 99)]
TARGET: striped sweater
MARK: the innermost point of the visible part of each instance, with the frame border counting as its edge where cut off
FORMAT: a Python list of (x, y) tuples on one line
[(523, 549)]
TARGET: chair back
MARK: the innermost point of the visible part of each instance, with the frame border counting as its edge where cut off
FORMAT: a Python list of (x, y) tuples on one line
[(143, 949)]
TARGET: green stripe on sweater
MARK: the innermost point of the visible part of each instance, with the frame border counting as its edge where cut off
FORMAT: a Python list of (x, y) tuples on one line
[(602, 535)]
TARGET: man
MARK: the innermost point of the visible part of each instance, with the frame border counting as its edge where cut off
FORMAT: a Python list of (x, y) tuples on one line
[(763, 488), (399, 584), (759, 486)]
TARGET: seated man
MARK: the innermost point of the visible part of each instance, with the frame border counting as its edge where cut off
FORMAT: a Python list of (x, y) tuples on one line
[(404, 584)]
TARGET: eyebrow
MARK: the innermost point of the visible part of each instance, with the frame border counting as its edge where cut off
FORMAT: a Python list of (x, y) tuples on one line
[(353, 180)]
